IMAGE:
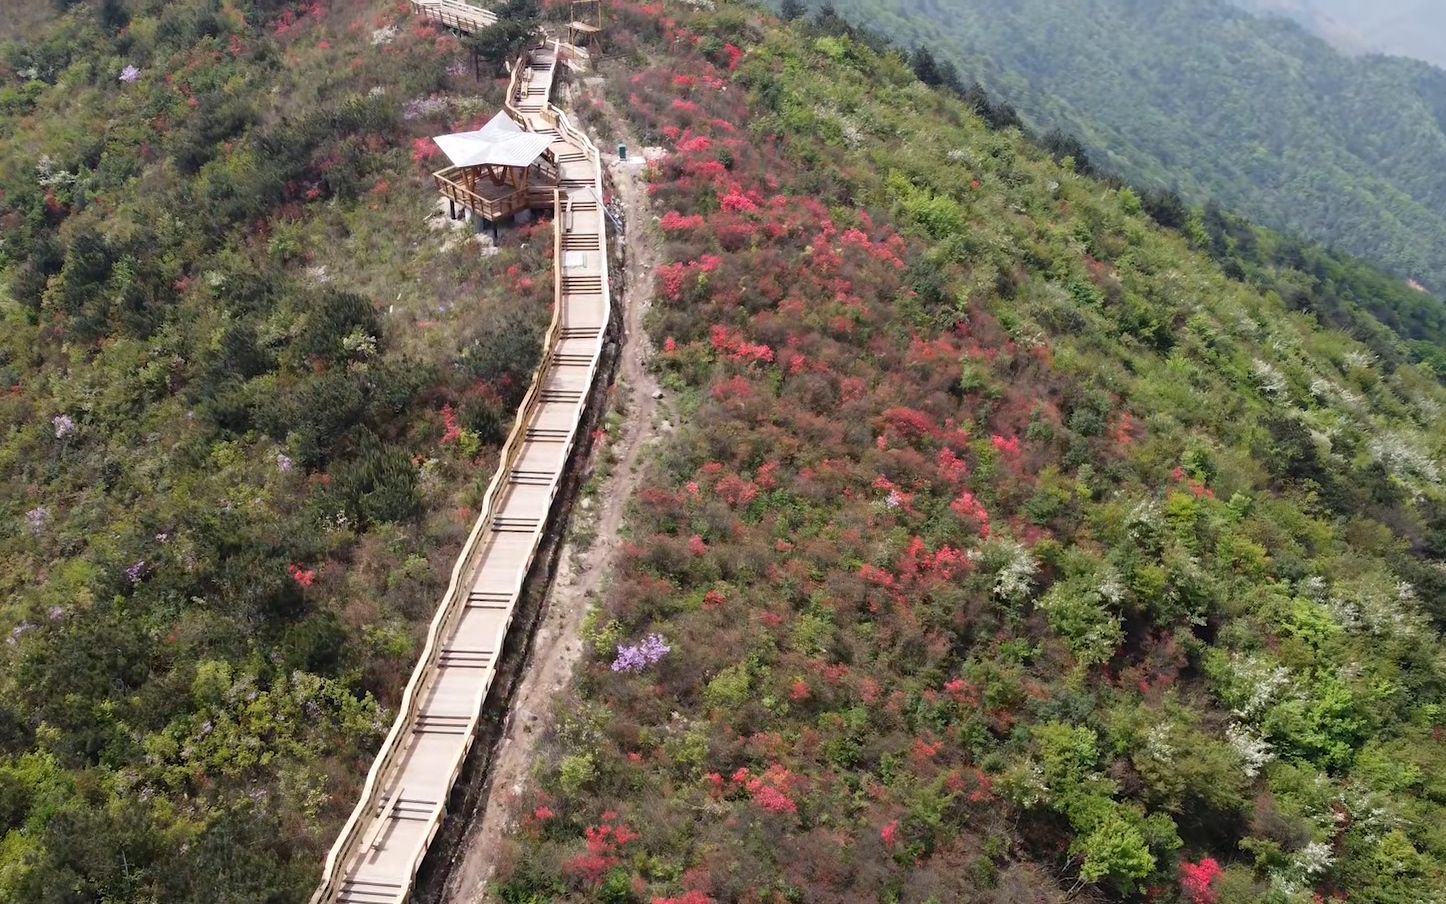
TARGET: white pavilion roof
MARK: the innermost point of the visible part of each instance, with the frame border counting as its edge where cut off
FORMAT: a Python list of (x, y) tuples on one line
[(501, 142)]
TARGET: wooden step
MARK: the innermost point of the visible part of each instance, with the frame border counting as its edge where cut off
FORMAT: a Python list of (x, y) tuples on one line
[(489, 599), (413, 810), (446, 725), (501, 525), (581, 241), (370, 883), (581, 285), (464, 659), (546, 435), (365, 891)]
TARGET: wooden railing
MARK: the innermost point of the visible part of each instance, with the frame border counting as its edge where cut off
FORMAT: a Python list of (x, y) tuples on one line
[(523, 64), (453, 14), (512, 82), (493, 209), (564, 126)]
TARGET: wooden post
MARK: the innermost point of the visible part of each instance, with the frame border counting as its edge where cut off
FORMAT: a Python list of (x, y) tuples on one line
[(586, 13)]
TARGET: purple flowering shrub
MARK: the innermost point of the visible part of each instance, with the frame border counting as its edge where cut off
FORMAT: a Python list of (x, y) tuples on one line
[(637, 657)]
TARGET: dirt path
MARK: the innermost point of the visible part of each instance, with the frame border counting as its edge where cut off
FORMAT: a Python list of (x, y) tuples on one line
[(583, 573)]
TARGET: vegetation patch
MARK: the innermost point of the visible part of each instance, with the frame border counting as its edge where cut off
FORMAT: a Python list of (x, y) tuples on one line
[(1008, 548), (251, 396)]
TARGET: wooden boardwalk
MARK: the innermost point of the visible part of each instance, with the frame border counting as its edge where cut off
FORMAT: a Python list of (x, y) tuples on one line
[(376, 857), (454, 14)]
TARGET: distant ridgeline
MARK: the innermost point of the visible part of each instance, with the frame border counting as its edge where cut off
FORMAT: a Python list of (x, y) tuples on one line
[(1412, 28), (1210, 103)]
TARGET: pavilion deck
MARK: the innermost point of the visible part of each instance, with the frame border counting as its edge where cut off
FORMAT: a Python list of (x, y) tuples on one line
[(488, 200)]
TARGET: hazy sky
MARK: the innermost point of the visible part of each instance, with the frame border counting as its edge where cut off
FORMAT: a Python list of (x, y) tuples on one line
[(1415, 28)]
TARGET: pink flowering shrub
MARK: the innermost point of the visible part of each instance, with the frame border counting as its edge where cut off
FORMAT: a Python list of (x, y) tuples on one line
[(889, 834), (675, 222), (304, 577), (1197, 880)]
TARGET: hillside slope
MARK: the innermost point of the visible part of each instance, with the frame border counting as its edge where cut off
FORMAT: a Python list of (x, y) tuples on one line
[(251, 401), (1200, 96), (1008, 551)]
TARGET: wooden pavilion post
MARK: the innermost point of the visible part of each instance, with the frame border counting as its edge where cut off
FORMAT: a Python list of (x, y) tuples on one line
[(587, 24)]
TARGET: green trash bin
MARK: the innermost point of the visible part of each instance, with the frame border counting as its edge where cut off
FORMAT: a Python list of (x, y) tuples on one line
[(622, 152)]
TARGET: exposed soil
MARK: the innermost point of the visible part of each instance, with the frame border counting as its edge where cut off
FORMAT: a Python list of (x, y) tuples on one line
[(585, 567)]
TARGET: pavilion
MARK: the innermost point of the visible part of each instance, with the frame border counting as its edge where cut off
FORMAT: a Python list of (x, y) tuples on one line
[(497, 170)]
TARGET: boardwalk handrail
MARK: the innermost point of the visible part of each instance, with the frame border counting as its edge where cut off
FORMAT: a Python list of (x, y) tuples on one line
[(453, 599), (525, 62), (507, 103)]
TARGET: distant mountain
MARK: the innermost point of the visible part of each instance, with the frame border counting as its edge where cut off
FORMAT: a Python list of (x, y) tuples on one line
[(1205, 98), (1413, 28)]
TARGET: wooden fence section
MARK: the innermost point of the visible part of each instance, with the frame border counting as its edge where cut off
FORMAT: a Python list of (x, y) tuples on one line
[(376, 857)]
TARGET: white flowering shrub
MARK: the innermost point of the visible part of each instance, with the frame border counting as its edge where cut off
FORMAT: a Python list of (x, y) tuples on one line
[(1014, 581), (1247, 683), (1268, 378), (1403, 458), (1254, 751)]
